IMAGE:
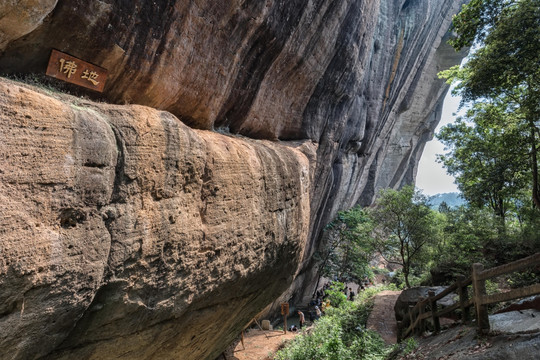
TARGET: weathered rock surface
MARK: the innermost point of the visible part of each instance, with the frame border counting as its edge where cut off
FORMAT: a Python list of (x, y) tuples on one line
[(357, 77), (410, 297), (513, 322), (463, 342), (352, 83), (127, 234), (381, 125), (20, 17)]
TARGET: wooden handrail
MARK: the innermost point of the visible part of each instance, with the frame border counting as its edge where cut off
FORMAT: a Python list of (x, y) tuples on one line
[(445, 292), (415, 318), (511, 295), (511, 267)]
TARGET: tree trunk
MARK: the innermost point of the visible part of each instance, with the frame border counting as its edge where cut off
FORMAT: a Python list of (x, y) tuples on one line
[(406, 274), (534, 164), (500, 217)]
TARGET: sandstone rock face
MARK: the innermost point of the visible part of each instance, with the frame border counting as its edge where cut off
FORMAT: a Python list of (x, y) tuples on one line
[(18, 18), (383, 123), (356, 77), (131, 229), (125, 232)]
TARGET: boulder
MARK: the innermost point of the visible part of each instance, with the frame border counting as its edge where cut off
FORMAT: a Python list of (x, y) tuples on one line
[(531, 302), (265, 324), (123, 231), (410, 297)]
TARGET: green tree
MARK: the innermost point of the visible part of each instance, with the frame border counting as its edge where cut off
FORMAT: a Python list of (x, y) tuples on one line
[(404, 226), (485, 155), (505, 67), (346, 250), (336, 295), (468, 234)]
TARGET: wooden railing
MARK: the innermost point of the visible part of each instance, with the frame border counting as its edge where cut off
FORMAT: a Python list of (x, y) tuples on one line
[(415, 320)]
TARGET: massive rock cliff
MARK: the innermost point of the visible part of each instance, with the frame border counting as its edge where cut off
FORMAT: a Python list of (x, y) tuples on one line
[(126, 233)]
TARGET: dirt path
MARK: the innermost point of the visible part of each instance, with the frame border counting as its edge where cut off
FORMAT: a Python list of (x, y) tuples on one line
[(258, 346), (382, 319)]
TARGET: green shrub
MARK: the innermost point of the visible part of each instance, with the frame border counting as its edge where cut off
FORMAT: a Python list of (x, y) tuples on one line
[(335, 294), (410, 346), (492, 287), (414, 279), (340, 335), (523, 278)]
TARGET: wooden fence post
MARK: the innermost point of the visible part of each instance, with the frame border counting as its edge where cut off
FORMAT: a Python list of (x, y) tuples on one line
[(411, 318), (421, 311), (463, 297), (480, 299), (434, 316), (479, 289)]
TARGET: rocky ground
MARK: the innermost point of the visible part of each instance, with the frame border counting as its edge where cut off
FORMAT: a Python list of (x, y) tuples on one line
[(461, 342), (514, 335)]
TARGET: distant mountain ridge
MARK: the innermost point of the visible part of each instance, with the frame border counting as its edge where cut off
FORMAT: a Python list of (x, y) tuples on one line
[(452, 199)]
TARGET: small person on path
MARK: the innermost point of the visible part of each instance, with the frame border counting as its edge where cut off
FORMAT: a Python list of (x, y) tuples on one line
[(351, 294), (301, 319)]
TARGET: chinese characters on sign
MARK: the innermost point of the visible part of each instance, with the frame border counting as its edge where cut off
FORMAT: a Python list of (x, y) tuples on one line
[(76, 71), (68, 67), (91, 76)]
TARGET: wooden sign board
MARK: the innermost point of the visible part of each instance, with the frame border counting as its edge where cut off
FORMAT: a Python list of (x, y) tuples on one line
[(76, 71), (285, 309)]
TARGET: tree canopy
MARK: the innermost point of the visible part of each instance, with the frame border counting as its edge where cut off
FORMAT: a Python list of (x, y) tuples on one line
[(346, 251), (486, 155), (503, 72), (404, 225)]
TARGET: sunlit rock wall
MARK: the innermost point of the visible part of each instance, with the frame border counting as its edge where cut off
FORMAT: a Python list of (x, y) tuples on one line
[(125, 233)]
